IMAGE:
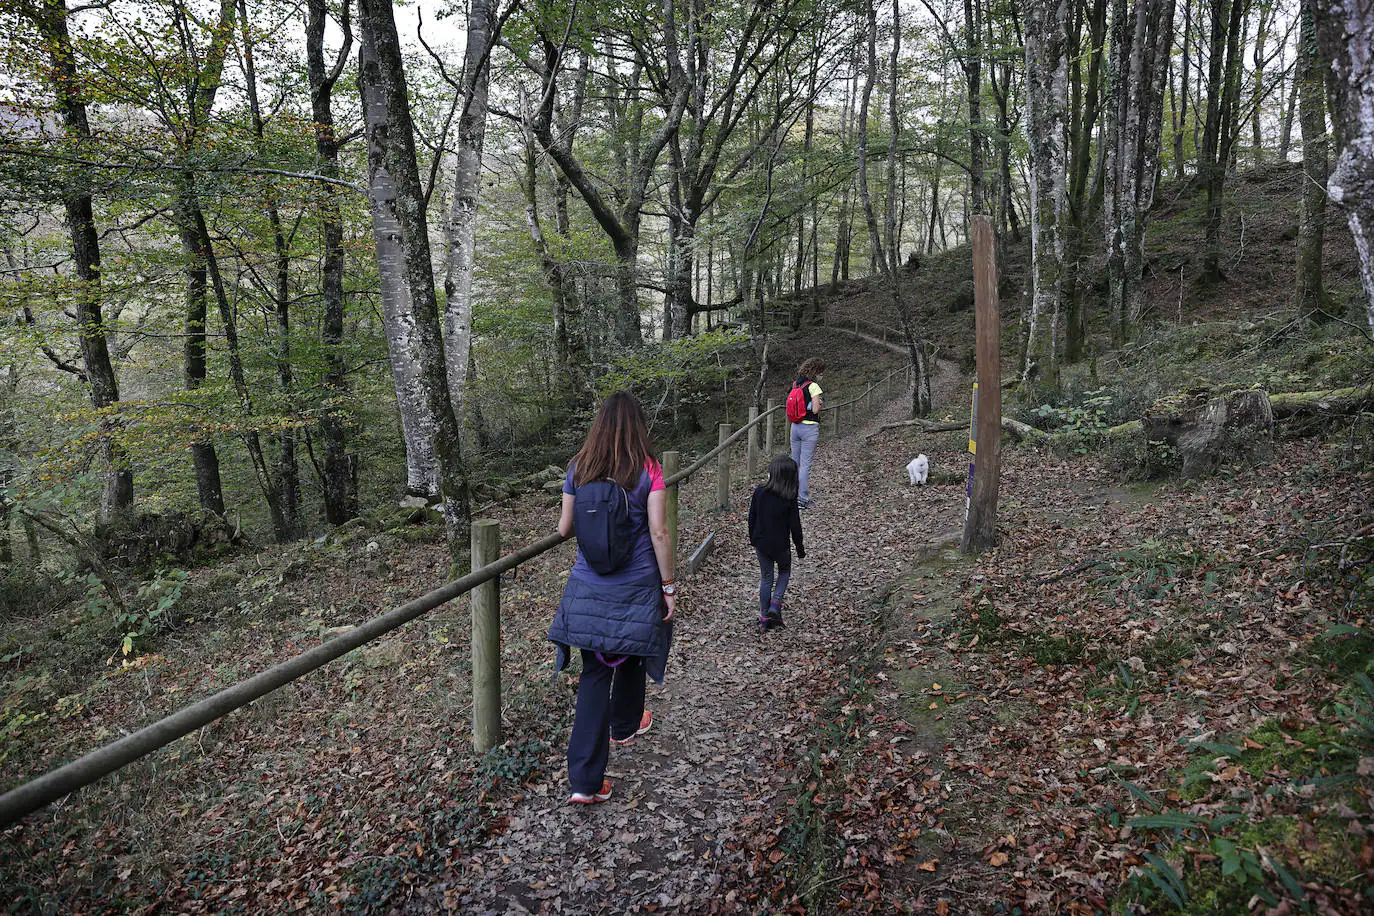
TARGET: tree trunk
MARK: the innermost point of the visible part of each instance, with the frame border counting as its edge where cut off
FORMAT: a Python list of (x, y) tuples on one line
[(1345, 29), (1286, 130), (402, 236), (287, 484), (117, 480), (1262, 22), (884, 243), (1084, 106), (1311, 300), (204, 457), (1183, 99), (267, 481), (1222, 120), (840, 267), (9, 384), (340, 496), (461, 232), (398, 310), (1007, 216), (1046, 98), (570, 373), (973, 76), (1159, 36)]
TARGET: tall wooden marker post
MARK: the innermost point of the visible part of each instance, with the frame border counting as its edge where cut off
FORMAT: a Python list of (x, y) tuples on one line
[(985, 439)]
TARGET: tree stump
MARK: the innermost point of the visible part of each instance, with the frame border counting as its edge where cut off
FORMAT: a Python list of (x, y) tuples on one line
[(1206, 431), (145, 539)]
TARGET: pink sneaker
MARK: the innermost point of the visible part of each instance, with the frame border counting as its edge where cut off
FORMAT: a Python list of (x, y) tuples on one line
[(582, 798), (644, 723)]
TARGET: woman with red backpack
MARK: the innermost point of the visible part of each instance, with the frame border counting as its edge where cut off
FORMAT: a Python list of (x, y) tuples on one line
[(804, 410), (618, 604)]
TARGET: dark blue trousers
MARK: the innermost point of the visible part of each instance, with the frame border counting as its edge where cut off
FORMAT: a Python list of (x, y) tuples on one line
[(610, 702)]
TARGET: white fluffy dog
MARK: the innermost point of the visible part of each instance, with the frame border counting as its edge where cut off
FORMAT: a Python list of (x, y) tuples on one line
[(918, 469)]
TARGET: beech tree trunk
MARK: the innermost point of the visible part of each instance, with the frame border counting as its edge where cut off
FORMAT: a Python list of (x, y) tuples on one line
[(1047, 85), (204, 457), (418, 420), (402, 234), (117, 480), (200, 90), (336, 477), (1159, 36), (461, 232), (267, 481), (885, 242), (1286, 130), (1345, 29), (1084, 106), (1223, 87), (287, 474), (1311, 300), (1262, 22), (973, 78)]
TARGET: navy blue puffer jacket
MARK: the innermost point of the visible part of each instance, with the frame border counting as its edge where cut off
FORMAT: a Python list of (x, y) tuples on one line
[(615, 619)]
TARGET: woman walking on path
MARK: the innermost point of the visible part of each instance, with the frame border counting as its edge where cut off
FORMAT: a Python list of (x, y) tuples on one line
[(620, 597), (807, 431), (772, 516)]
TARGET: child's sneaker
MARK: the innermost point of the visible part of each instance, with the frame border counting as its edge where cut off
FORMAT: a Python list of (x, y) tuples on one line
[(644, 722), (583, 798)]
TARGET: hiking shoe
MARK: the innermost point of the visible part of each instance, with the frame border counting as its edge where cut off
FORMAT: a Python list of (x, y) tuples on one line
[(582, 798), (773, 618), (644, 722)]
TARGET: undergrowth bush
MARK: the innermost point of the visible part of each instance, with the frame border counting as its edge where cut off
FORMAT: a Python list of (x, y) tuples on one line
[(27, 590)]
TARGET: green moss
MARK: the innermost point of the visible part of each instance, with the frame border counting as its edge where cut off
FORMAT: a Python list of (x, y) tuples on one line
[(1057, 649), (1315, 746), (416, 534)]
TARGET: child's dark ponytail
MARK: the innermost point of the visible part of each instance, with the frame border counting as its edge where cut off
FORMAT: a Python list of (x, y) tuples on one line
[(783, 478)]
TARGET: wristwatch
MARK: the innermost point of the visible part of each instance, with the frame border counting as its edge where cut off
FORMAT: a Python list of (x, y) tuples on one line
[(670, 588)]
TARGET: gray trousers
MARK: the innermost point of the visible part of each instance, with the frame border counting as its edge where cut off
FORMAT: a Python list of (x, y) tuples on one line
[(804, 438)]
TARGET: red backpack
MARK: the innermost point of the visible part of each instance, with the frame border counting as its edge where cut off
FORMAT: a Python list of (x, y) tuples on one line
[(799, 402)]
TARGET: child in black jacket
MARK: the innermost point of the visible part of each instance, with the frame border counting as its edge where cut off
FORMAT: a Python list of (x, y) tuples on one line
[(772, 516)]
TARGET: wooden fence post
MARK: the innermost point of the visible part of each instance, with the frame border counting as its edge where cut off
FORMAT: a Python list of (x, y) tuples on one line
[(868, 401), (980, 526), (723, 470), (835, 421), (486, 640), (752, 444), (672, 463), (768, 429)]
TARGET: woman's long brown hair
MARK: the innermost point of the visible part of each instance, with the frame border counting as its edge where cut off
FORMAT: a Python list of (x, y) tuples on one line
[(618, 444)]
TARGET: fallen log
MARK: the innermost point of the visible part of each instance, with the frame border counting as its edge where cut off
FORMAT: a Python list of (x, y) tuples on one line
[(929, 426), (1335, 401)]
